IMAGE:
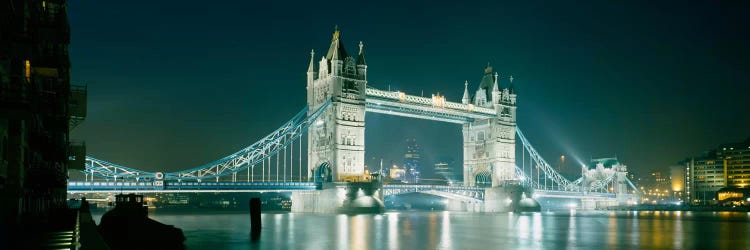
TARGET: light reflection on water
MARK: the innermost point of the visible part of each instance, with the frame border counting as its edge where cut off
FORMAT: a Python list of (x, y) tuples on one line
[(452, 230)]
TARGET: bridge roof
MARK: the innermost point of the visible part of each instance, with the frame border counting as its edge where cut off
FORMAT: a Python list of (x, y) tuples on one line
[(336, 51), (486, 83)]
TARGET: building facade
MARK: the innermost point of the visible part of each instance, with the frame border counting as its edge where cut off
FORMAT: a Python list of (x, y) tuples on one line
[(704, 177), (38, 108), (677, 179), (736, 160), (727, 166)]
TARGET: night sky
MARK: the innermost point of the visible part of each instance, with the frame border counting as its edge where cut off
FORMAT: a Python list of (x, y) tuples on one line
[(175, 85)]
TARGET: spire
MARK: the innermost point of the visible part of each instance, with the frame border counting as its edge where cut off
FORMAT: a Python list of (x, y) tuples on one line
[(465, 100), (510, 87), (336, 50), (361, 57), (311, 68)]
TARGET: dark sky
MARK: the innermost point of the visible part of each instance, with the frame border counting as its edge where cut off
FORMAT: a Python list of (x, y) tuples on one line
[(173, 85)]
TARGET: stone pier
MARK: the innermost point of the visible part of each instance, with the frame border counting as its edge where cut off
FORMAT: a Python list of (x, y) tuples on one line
[(340, 197)]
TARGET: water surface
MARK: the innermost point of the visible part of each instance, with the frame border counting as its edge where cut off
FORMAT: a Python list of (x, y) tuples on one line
[(457, 230)]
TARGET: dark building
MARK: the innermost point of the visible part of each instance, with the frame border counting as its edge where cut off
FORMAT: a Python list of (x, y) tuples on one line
[(38, 107), (412, 160)]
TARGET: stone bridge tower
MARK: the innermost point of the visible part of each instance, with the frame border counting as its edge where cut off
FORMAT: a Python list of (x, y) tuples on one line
[(490, 144), (336, 142)]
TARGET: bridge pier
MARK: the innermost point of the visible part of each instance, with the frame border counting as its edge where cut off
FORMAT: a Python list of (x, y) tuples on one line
[(340, 197), (594, 204), (510, 198)]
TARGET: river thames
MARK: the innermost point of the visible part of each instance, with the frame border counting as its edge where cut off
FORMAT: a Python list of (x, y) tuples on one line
[(459, 230)]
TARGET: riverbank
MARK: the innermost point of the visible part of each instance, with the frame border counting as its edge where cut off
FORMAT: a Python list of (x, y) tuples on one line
[(56, 230), (665, 207)]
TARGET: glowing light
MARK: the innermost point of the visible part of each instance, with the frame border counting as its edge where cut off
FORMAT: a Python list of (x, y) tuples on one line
[(572, 205)]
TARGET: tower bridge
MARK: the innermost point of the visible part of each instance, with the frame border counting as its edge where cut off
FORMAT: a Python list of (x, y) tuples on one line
[(333, 178)]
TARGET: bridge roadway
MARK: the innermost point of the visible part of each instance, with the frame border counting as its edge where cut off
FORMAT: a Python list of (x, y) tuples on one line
[(451, 192)]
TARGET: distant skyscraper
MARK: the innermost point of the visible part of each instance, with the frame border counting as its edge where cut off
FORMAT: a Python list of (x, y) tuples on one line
[(412, 160)]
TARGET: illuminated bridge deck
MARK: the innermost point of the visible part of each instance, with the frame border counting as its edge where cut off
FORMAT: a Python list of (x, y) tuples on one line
[(189, 187), (457, 192)]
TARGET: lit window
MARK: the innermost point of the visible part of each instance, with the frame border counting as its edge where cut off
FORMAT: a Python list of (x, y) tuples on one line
[(28, 70)]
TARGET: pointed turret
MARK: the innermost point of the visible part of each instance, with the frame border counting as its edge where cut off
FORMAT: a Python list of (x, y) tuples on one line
[(510, 87), (361, 56), (466, 98), (361, 64), (311, 69), (495, 91), (494, 86), (512, 96)]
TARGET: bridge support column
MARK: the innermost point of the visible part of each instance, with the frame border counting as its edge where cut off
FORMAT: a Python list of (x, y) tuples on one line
[(340, 197), (338, 137), (510, 198), (621, 185), (601, 203)]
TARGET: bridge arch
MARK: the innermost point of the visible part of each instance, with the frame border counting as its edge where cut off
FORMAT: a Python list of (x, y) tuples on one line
[(322, 173), (483, 179)]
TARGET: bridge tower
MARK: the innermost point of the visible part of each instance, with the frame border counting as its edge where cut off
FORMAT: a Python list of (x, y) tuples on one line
[(336, 143), (489, 144)]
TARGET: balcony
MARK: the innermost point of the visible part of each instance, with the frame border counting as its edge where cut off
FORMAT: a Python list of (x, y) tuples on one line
[(77, 155), (77, 105)]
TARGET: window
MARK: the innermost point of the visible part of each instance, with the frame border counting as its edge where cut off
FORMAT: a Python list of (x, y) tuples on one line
[(27, 71)]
